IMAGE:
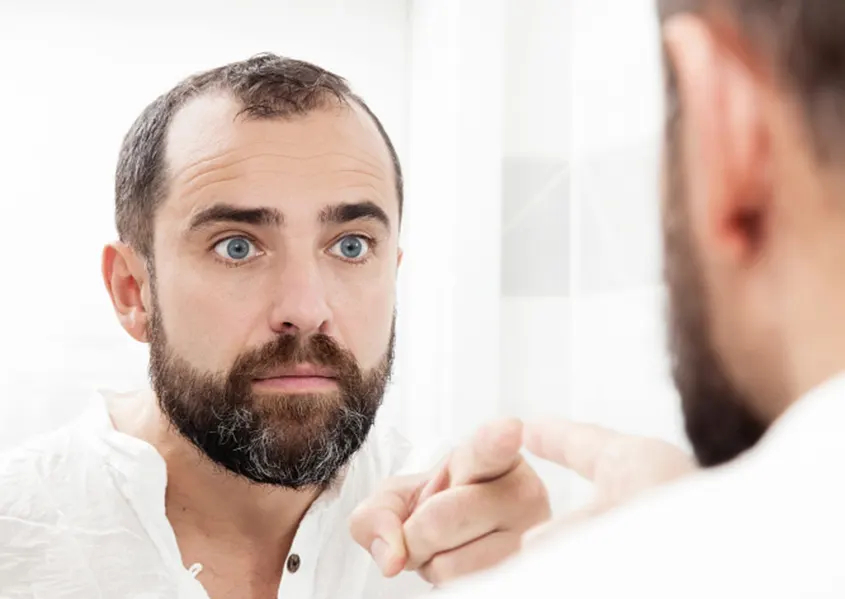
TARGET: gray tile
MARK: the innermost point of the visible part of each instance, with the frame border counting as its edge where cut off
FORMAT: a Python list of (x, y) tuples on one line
[(535, 225)]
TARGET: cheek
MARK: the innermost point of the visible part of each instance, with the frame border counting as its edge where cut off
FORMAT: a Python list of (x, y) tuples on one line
[(205, 322), (731, 326), (362, 313), (746, 336)]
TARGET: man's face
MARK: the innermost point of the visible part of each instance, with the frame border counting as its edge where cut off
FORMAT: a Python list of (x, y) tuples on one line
[(275, 256)]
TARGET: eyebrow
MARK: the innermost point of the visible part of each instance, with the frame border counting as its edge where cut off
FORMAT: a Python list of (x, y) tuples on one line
[(219, 213), (269, 217), (344, 213)]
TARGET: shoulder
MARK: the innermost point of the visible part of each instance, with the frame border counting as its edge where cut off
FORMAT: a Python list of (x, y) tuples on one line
[(626, 552), (46, 463), (66, 524), (51, 477), (28, 471), (34, 478), (733, 523)]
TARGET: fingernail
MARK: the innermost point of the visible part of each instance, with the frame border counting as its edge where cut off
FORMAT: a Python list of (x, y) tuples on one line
[(381, 554)]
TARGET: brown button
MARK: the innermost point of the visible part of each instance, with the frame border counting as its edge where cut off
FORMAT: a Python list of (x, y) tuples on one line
[(293, 563)]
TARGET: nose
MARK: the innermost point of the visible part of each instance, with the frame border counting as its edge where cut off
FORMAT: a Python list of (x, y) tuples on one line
[(300, 305)]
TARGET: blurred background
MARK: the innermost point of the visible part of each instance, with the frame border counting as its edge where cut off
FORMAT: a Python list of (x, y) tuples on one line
[(529, 131)]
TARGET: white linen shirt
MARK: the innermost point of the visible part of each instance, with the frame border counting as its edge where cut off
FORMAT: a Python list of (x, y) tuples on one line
[(771, 525), (82, 516)]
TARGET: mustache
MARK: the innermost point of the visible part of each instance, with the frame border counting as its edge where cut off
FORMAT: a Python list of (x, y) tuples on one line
[(292, 349)]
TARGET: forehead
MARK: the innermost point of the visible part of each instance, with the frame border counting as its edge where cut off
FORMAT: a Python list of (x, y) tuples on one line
[(212, 148)]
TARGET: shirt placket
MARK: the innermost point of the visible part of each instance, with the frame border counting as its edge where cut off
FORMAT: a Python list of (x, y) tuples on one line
[(299, 577)]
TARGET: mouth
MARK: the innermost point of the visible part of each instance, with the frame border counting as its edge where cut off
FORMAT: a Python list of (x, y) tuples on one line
[(302, 378)]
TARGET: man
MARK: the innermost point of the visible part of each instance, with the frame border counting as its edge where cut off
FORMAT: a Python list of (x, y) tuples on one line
[(258, 207), (754, 227)]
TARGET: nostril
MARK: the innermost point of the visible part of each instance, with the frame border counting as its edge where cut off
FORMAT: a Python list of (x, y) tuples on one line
[(286, 328)]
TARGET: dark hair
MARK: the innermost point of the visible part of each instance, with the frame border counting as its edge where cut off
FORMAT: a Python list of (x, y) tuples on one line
[(803, 42), (268, 86)]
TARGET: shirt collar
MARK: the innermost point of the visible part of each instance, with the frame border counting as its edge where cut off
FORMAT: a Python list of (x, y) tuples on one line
[(814, 419), (141, 468)]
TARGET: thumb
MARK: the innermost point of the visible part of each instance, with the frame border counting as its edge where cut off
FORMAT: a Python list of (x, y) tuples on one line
[(492, 452), (376, 524)]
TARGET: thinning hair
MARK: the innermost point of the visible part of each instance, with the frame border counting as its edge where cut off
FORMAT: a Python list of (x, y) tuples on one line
[(803, 43), (267, 86)]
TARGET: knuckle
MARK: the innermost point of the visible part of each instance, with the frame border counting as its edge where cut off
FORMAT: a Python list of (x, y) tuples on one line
[(427, 575), (531, 491), (529, 502), (440, 570)]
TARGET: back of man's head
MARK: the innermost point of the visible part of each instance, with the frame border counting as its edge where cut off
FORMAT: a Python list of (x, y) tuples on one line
[(754, 209), (800, 44)]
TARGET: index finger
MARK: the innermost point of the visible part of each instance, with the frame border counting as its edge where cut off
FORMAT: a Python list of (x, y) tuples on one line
[(576, 446), (492, 452)]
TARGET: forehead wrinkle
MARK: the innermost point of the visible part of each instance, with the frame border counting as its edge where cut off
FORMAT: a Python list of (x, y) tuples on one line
[(209, 161), (199, 187), (208, 168), (377, 194)]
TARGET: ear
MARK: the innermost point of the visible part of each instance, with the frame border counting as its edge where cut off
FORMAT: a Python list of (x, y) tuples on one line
[(399, 255), (725, 150), (127, 281)]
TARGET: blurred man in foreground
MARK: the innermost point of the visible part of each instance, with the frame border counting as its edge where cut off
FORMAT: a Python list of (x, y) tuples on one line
[(258, 207), (754, 231)]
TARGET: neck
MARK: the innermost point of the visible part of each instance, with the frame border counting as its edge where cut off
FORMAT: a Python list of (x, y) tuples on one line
[(813, 304), (204, 501), (817, 350)]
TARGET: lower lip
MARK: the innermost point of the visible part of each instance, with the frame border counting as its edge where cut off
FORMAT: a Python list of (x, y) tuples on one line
[(297, 384)]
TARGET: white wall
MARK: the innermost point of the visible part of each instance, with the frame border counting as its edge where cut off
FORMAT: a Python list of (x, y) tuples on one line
[(536, 248), (453, 222), (620, 369)]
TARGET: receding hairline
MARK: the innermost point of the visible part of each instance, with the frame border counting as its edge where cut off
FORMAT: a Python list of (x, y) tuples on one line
[(268, 86), (218, 120), (228, 110)]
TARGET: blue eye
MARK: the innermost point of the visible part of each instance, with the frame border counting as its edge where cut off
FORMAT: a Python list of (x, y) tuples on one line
[(235, 249), (351, 247)]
